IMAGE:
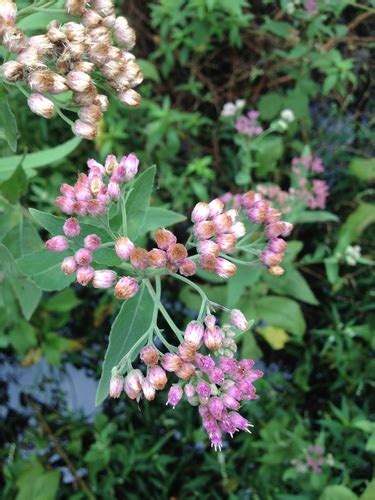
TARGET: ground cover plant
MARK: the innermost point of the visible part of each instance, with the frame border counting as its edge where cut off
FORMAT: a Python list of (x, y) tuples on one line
[(186, 238)]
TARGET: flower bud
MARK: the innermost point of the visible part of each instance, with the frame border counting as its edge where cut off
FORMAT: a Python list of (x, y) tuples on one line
[(91, 19), (103, 102), (65, 204), (164, 238), (57, 244), (124, 33), (227, 242), (273, 216), (249, 199), (216, 407), (110, 164), (149, 355), (83, 256), (92, 242), (177, 253), (114, 190), (139, 258), (189, 390), (276, 270), (68, 265), (271, 258), (213, 338), (174, 395), (41, 44), (157, 377), (208, 247), (130, 163), (258, 213), (84, 130), (238, 229), (13, 71), (103, 7), (203, 390), (71, 227), (171, 362), (208, 262), (186, 371), (204, 230), (229, 402), (200, 212), (116, 386), (124, 247), (90, 114), (187, 351), (238, 320), (133, 384), (126, 288), (194, 333), (41, 106), (157, 258), (104, 279), (188, 268), (224, 268), (84, 275), (148, 390), (216, 376), (129, 97), (8, 11), (210, 321)]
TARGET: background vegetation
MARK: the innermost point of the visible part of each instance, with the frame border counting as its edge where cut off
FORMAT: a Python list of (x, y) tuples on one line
[(314, 327)]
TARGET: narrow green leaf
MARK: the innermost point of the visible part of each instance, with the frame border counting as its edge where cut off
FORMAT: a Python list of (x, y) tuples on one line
[(39, 159), (315, 216), (355, 224), (133, 321), (8, 124)]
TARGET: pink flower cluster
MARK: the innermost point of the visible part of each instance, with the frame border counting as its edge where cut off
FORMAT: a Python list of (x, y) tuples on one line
[(92, 193), (315, 191), (313, 460), (217, 232), (215, 382), (248, 124)]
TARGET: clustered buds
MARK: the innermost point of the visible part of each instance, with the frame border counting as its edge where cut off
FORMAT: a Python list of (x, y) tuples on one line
[(69, 57), (217, 232), (93, 192), (214, 381)]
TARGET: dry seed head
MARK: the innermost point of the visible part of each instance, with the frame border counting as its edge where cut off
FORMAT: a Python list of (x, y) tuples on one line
[(13, 71)]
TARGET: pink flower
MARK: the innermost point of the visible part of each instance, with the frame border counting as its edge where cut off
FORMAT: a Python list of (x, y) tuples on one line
[(157, 377), (148, 390), (224, 268), (116, 386), (200, 212), (130, 163), (69, 265), (126, 288), (194, 333), (57, 244), (85, 274), (149, 355), (124, 247), (213, 338), (71, 227), (83, 257), (238, 320), (92, 242), (174, 395), (104, 279)]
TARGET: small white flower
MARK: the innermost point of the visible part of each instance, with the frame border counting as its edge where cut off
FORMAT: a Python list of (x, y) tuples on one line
[(229, 109), (240, 103), (287, 115), (352, 254)]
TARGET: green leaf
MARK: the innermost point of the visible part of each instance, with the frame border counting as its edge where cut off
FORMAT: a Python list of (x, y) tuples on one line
[(37, 484), (39, 159), (157, 217), (51, 223), (332, 269), (138, 202), (133, 321), (28, 295), (269, 150), (23, 336), (337, 492), (308, 216), (8, 124), (369, 493), (270, 105), (64, 301), (10, 216), (280, 312), (245, 277), (363, 168), (292, 283), (44, 269), (16, 186), (149, 70), (278, 28), (355, 224), (23, 239)]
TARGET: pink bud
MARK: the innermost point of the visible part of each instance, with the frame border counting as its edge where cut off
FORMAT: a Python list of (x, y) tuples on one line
[(84, 130), (130, 163), (238, 320), (204, 230), (189, 390), (229, 402), (200, 212), (85, 275), (114, 190), (65, 204), (208, 247), (103, 102), (116, 386), (104, 279), (216, 407), (57, 244), (164, 238), (157, 258), (216, 376), (83, 257), (148, 390), (203, 389), (92, 242), (78, 81), (213, 338), (222, 223), (171, 362), (130, 97), (227, 242), (157, 377), (278, 228), (68, 265), (205, 363), (238, 229), (216, 207), (71, 227), (174, 395), (110, 164), (194, 333), (118, 175), (126, 288), (224, 268), (13, 71), (133, 384), (149, 355), (270, 258), (187, 267), (239, 422), (277, 245), (187, 351), (96, 208), (210, 321), (258, 213), (67, 190), (8, 11), (40, 105)]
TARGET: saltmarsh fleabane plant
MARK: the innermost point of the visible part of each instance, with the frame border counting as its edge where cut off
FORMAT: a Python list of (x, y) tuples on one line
[(64, 67), (108, 210)]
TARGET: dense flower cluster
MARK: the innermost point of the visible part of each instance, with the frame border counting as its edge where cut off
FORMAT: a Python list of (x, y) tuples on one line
[(313, 460), (215, 382), (72, 57), (248, 124)]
